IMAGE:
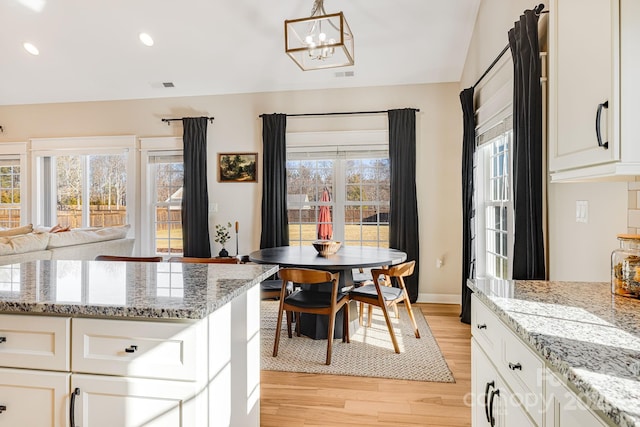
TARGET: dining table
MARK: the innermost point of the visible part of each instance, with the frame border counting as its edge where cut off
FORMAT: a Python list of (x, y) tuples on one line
[(344, 261)]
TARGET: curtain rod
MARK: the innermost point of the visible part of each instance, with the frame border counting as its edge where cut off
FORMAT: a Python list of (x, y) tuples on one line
[(339, 113), (537, 10), (176, 120)]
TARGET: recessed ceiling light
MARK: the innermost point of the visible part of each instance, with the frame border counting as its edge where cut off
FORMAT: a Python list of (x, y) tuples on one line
[(146, 39), (31, 48)]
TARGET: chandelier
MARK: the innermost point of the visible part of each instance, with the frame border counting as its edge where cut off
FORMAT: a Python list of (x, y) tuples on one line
[(320, 41)]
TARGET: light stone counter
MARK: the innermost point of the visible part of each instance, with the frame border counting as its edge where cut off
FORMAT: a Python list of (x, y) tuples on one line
[(171, 291), (589, 337)]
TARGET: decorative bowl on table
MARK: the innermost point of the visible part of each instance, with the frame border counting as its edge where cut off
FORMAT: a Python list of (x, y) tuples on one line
[(326, 247)]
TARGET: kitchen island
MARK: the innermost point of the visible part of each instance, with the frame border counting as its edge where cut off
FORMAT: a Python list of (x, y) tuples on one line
[(94, 343), (586, 340)]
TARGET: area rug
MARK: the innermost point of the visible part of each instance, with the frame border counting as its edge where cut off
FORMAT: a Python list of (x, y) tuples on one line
[(370, 353)]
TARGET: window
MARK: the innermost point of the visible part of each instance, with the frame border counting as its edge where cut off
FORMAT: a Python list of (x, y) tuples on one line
[(89, 188), (167, 176), (163, 165), (13, 167), (342, 192), (10, 198), (495, 205)]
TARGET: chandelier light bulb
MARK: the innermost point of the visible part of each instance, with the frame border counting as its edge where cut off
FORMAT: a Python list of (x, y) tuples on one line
[(309, 39), (322, 37)]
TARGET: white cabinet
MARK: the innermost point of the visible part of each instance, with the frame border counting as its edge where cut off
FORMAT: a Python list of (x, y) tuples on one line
[(499, 357), (564, 409), (87, 372), (105, 401), (511, 385), (33, 398), (594, 62), (494, 403)]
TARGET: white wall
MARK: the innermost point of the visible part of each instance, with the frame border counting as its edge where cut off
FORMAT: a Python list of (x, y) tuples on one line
[(576, 251), (237, 128)]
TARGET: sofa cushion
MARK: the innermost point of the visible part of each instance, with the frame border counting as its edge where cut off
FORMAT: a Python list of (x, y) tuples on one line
[(23, 243), (16, 230), (80, 236)]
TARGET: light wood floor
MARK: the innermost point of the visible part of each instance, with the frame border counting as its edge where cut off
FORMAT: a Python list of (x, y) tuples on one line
[(296, 399)]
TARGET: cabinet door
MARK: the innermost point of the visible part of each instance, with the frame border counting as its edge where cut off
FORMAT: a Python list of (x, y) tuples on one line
[(580, 78), (494, 404), (33, 398), (132, 402), (564, 409)]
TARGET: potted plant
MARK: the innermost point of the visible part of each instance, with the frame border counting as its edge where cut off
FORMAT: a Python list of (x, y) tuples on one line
[(222, 236)]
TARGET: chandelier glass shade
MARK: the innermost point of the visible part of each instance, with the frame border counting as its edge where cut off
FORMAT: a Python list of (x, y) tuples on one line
[(319, 41)]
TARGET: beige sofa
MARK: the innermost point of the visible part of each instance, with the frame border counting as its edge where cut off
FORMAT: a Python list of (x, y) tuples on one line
[(81, 244)]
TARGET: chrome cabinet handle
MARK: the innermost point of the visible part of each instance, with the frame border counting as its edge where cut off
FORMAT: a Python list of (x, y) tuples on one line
[(605, 144), (515, 366), (72, 407), (131, 349), (486, 398)]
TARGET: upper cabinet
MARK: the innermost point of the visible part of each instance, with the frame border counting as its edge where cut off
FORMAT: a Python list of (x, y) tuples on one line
[(594, 61)]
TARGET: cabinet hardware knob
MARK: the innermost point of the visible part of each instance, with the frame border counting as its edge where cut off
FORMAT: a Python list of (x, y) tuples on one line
[(483, 326), (486, 398), (604, 145), (131, 349), (3, 339), (515, 366), (2, 408)]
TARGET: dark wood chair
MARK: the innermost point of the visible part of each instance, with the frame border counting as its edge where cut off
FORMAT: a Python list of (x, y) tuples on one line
[(303, 300), (128, 258), (194, 260), (382, 294)]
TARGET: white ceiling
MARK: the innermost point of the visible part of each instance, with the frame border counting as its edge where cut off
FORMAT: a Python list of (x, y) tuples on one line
[(89, 49)]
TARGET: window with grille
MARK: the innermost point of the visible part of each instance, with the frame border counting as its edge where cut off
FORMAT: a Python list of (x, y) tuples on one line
[(495, 201), (343, 190)]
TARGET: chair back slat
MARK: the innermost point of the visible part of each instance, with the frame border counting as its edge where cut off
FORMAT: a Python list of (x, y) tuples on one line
[(128, 258), (195, 260), (307, 276)]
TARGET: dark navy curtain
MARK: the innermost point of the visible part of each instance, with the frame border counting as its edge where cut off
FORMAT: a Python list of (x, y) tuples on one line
[(468, 209), (275, 224), (195, 199), (403, 211), (528, 250)]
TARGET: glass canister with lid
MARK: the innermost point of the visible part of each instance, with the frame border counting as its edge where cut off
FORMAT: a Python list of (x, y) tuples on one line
[(625, 266)]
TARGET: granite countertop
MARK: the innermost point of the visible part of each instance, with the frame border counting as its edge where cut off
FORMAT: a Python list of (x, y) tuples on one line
[(587, 335), (171, 291)]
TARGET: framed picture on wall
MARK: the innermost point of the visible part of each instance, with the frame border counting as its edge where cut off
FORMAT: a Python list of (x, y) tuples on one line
[(237, 167)]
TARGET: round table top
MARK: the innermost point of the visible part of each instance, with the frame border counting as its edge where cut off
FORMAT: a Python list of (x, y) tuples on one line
[(346, 257)]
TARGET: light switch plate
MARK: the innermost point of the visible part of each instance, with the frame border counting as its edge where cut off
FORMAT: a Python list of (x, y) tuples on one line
[(582, 211)]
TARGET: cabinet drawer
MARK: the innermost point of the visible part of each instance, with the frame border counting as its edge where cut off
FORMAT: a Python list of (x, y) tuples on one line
[(525, 373), (34, 342), (486, 328), (139, 348)]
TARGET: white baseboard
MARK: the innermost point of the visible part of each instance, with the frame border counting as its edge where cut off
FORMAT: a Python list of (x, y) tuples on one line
[(439, 298)]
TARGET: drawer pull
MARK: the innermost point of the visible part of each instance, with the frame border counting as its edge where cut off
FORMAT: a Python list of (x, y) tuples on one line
[(72, 407), (492, 420), (486, 397), (515, 366), (483, 326), (604, 145), (131, 349), (3, 339), (2, 408)]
